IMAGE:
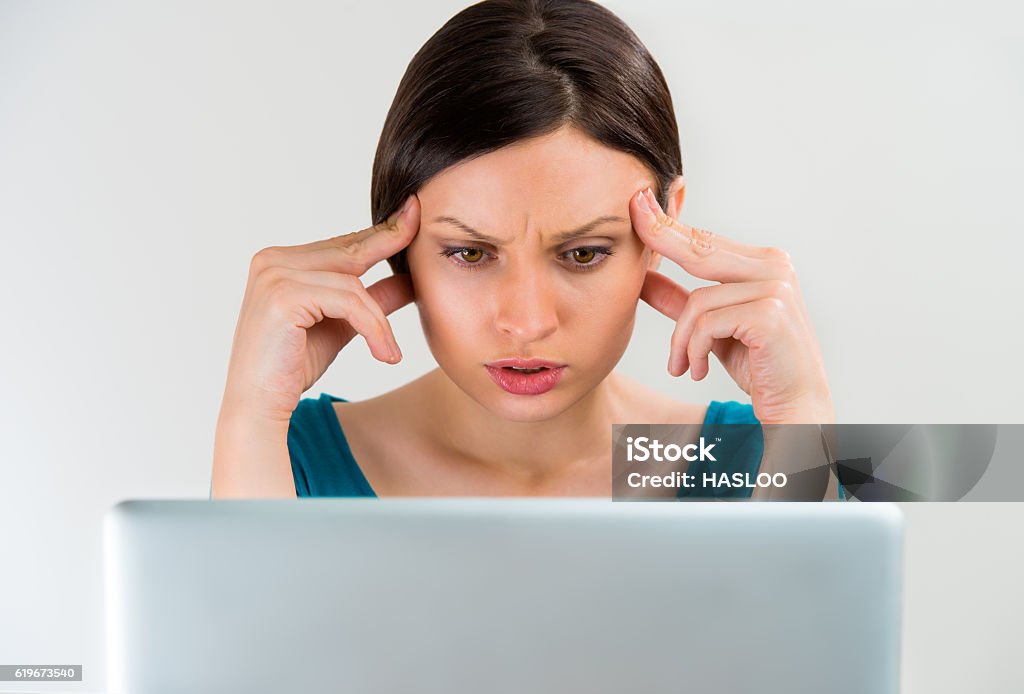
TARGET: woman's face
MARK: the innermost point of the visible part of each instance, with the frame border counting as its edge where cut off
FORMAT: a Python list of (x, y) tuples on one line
[(526, 291)]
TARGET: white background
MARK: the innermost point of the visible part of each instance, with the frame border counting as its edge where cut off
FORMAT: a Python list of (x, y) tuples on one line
[(147, 150)]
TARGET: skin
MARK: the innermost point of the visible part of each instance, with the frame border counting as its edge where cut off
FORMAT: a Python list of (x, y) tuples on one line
[(528, 295), (755, 320), (520, 294)]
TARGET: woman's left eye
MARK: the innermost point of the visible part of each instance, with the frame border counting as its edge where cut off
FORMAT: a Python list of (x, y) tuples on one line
[(580, 259), (589, 257), (586, 255)]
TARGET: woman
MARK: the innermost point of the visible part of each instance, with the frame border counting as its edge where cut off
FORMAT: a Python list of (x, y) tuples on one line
[(527, 183)]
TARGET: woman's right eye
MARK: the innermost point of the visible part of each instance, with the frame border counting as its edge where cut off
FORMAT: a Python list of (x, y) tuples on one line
[(469, 258)]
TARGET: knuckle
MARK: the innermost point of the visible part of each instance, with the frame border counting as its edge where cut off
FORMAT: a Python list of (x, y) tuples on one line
[(701, 324), (780, 289), (353, 286), (347, 298), (355, 306), (661, 226), (271, 277), (278, 292), (351, 244), (264, 258), (783, 261), (348, 306), (775, 309), (697, 301), (689, 318), (352, 253), (701, 242), (346, 282)]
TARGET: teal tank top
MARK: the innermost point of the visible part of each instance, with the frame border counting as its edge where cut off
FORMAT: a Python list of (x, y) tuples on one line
[(323, 464)]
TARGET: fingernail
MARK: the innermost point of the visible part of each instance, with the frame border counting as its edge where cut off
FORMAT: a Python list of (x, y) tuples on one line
[(397, 214), (405, 207), (641, 202), (396, 353), (653, 201)]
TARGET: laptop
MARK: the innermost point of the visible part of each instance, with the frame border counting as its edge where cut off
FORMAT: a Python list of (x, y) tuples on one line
[(466, 596)]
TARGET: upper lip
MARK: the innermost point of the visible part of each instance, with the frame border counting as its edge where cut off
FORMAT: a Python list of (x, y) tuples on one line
[(525, 363)]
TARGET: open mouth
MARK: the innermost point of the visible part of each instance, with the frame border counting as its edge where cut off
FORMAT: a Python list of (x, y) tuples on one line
[(521, 381)]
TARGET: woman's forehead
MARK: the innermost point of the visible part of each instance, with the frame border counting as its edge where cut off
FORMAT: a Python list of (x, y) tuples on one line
[(565, 174)]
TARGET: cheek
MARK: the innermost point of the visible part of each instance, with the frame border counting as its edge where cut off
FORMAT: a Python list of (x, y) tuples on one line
[(613, 293), (448, 310), (609, 317), (598, 316), (612, 313)]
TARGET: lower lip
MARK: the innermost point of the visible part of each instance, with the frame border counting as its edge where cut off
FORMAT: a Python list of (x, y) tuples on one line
[(526, 384)]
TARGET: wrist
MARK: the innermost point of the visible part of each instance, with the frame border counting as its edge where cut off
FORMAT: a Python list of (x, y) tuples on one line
[(245, 414), (816, 411)]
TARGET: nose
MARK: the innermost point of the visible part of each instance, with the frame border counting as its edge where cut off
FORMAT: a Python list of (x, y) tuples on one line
[(527, 305)]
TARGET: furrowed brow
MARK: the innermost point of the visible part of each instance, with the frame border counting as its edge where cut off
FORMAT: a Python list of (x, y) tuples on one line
[(560, 237), (469, 231), (584, 230)]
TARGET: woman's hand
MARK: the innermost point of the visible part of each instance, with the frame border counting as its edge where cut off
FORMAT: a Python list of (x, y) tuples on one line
[(755, 321), (302, 304)]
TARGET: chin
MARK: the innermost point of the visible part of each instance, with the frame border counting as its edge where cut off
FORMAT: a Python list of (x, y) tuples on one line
[(525, 408), (519, 408)]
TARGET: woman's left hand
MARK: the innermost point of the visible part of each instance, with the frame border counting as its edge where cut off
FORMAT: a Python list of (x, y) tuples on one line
[(755, 320)]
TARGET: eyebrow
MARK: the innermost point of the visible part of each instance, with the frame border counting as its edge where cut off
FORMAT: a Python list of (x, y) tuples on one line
[(559, 238)]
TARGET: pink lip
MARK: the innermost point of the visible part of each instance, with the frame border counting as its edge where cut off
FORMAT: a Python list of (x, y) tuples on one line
[(526, 384), (525, 363)]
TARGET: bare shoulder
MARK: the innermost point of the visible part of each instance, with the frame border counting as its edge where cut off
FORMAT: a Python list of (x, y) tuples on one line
[(394, 405), (646, 405), (370, 426)]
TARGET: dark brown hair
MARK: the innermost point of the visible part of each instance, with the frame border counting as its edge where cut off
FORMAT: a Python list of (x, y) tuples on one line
[(501, 71)]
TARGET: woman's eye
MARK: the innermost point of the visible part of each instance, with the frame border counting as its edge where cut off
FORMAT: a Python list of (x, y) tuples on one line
[(468, 258), (579, 259), (471, 255), (584, 255), (589, 257)]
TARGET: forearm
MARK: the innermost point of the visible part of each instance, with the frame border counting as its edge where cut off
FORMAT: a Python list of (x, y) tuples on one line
[(250, 458)]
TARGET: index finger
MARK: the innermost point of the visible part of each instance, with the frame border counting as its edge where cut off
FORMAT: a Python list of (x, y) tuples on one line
[(698, 251), (356, 252)]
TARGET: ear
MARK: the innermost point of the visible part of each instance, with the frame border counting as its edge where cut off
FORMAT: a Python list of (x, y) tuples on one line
[(676, 193)]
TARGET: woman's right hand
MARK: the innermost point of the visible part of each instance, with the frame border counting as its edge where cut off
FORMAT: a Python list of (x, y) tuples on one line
[(303, 304)]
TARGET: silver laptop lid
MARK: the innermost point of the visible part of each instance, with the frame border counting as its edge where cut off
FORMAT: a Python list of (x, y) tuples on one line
[(502, 595)]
